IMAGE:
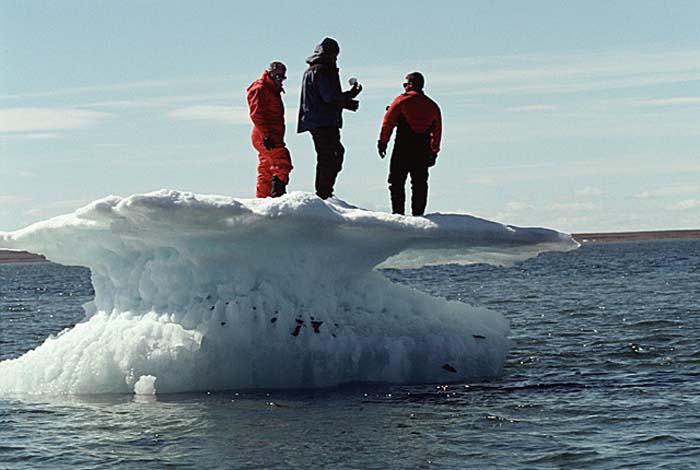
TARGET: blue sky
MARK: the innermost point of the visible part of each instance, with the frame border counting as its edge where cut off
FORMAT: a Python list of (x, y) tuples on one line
[(581, 116)]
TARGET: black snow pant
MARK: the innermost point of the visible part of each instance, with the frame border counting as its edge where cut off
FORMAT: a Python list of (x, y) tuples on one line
[(329, 159), (400, 167)]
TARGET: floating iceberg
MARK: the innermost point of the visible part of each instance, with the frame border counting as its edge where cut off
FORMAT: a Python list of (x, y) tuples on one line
[(198, 292)]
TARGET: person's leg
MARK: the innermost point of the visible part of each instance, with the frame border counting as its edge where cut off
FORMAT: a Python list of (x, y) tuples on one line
[(397, 185), (280, 167), (329, 159), (419, 188), (264, 182)]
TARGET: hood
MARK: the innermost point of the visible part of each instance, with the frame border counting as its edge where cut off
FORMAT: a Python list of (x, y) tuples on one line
[(325, 52)]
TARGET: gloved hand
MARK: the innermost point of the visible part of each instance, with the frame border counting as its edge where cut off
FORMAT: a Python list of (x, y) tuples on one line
[(355, 90), (352, 105), (267, 142), (431, 159), (381, 148)]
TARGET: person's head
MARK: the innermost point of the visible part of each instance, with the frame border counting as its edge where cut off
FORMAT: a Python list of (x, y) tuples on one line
[(414, 82), (277, 72), (329, 47)]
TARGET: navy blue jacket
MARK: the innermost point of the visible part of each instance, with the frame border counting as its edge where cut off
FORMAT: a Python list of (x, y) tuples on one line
[(322, 100)]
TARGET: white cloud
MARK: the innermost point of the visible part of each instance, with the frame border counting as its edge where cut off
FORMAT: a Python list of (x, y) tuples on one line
[(8, 199), (669, 191), (56, 207), (688, 204), (225, 114), (47, 119), (589, 191), (573, 206), (118, 87), (41, 136), (518, 206), (15, 174), (677, 101), (533, 108)]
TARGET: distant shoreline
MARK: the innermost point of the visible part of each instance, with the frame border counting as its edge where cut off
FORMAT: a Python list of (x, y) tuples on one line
[(607, 237), (583, 238), (21, 257)]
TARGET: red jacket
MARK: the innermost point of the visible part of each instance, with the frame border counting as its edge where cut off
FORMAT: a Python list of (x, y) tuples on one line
[(421, 113), (266, 110)]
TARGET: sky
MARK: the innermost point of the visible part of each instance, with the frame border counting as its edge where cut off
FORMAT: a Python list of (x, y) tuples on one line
[(579, 116)]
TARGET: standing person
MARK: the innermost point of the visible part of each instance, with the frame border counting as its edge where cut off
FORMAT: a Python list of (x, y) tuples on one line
[(419, 130), (320, 112), (267, 113)]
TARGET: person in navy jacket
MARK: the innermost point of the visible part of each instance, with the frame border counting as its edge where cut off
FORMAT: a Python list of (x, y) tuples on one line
[(320, 112)]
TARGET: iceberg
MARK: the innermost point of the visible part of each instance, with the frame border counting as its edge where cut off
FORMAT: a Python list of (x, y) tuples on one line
[(202, 292)]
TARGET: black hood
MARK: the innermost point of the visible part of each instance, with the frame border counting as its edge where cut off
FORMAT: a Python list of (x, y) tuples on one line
[(325, 53)]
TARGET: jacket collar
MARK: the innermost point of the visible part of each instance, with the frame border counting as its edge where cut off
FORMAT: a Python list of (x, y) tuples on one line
[(269, 82)]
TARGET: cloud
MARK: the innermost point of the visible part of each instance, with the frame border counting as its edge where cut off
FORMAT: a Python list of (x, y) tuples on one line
[(573, 206), (118, 87), (668, 191), (589, 191), (533, 108), (686, 205), (41, 136), (8, 199), (47, 119), (56, 207), (566, 73), (677, 101), (518, 206), (225, 114)]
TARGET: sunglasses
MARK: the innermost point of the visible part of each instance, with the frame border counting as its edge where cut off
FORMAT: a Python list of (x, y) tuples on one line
[(406, 84), (279, 76)]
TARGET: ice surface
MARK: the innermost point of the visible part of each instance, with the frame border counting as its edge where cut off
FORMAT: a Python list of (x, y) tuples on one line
[(198, 292)]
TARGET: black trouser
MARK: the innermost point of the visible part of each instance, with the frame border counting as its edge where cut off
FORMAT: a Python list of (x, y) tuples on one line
[(402, 165), (329, 159)]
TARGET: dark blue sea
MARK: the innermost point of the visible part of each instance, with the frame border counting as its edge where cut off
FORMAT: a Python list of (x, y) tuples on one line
[(604, 374)]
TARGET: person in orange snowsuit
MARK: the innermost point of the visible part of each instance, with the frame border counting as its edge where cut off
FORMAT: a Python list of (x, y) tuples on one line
[(419, 130), (267, 113)]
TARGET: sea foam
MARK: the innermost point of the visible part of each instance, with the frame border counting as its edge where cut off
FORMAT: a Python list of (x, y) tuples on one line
[(197, 292)]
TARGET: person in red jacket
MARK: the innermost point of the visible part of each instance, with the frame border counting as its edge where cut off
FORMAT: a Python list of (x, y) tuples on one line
[(419, 130), (267, 113)]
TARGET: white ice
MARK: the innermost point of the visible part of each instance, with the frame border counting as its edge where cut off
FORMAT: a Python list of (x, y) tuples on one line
[(197, 292)]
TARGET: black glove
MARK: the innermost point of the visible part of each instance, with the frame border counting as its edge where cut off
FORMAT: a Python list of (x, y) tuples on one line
[(431, 159), (267, 142), (355, 90), (352, 105), (381, 148)]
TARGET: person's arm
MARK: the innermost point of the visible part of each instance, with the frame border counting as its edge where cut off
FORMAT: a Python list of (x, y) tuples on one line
[(256, 107), (330, 91), (436, 132), (390, 119)]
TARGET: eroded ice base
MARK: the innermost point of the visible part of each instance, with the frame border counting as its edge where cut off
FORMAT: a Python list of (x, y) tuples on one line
[(198, 292)]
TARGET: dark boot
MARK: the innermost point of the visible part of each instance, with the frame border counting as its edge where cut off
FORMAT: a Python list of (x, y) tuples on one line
[(278, 187)]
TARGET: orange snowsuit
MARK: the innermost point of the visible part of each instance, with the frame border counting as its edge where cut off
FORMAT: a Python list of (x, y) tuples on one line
[(267, 113)]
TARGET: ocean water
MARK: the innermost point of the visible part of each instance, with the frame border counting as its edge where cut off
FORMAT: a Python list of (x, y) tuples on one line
[(604, 373)]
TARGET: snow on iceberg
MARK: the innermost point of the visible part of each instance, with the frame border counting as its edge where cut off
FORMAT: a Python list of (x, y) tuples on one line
[(198, 292)]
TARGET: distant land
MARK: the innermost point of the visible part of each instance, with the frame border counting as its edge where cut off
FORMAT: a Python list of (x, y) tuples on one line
[(636, 236), (20, 257), (583, 238)]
